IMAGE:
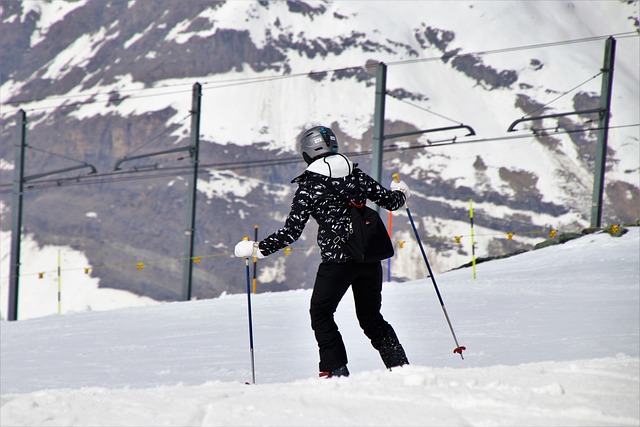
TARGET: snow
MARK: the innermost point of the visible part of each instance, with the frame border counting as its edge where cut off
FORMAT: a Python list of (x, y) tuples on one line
[(77, 290), (552, 337), (49, 14), (77, 54)]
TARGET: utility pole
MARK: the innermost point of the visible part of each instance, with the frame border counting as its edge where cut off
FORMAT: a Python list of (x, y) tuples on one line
[(603, 132), (17, 207), (190, 228), (194, 154), (604, 112), (378, 123), (16, 215)]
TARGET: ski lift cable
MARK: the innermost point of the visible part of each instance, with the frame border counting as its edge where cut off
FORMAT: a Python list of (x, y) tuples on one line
[(164, 132), (123, 176), (270, 78), (424, 109), (561, 95)]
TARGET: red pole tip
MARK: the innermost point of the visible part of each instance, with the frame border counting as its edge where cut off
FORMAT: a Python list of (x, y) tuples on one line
[(460, 349)]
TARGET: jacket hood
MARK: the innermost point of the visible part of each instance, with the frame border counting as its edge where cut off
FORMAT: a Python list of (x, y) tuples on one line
[(333, 166)]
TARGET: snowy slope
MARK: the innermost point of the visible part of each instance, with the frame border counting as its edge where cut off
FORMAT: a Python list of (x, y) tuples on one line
[(552, 338)]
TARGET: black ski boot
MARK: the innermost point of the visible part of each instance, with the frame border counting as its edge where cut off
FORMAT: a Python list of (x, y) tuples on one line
[(340, 372)]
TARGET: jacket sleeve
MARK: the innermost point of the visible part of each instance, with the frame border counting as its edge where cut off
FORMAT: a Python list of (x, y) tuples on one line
[(381, 196), (301, 208)]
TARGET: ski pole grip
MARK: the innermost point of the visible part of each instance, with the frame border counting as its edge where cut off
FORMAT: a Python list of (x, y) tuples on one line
[(246, 260), (396, 178)]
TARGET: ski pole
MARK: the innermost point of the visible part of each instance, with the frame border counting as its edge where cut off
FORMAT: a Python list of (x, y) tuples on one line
[(253, 368), (254, 280), (458, 348)]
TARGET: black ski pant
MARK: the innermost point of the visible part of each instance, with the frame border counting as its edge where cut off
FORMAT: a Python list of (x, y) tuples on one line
[(332, 282)]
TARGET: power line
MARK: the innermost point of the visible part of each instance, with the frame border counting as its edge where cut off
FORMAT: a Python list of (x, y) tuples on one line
[(561, 95), (167, 130), (126, 176), (218, 84), (423, 108), (517, 48), (252, 80), (54, 154)]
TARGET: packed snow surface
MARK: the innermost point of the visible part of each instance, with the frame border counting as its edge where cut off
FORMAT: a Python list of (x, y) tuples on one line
[(552, 338)]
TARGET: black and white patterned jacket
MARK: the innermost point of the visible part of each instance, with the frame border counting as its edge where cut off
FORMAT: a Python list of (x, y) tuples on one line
[(321, 194)]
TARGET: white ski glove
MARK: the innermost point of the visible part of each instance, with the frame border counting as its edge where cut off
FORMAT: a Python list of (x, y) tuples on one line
[(247, 249), (400, 186)]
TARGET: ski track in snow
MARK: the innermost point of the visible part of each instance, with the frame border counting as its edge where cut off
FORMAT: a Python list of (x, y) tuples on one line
[(548, 393)]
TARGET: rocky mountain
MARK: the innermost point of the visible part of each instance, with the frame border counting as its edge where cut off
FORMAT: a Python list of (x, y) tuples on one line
[(105, 80)]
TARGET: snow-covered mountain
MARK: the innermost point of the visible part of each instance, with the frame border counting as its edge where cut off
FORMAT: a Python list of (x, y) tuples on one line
[(101, 80)]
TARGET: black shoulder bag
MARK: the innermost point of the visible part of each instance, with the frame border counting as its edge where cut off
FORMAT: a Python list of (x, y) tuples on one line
[(368, 239)]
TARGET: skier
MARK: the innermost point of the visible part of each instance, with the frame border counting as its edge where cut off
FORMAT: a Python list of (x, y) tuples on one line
[(329, 175)]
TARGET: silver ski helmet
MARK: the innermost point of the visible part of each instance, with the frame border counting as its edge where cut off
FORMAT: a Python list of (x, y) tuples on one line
[(318, 142)]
